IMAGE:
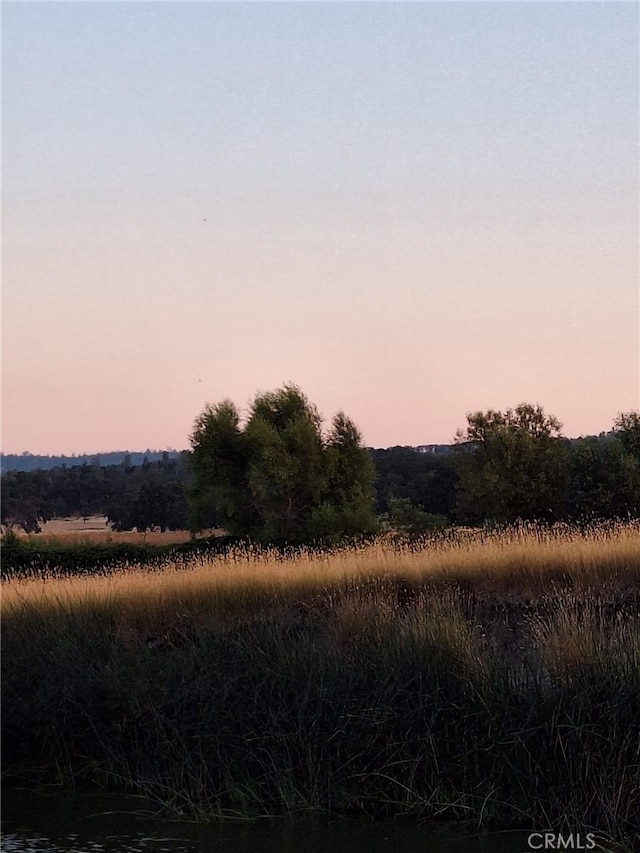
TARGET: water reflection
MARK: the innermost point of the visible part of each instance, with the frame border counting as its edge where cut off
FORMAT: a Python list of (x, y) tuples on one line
[(105, 823)]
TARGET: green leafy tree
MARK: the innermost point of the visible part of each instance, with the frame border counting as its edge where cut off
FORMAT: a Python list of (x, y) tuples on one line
[(604, 480), (427, 480), (348, 508), (511, 465), (279, 479), (286, 471), (219, 464), (626, 428), (23, 500), (406, 518)]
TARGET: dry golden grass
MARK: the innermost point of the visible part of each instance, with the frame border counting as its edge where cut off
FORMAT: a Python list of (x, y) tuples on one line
[(74, 524), (521, 561), (491, 676), (578, 636)]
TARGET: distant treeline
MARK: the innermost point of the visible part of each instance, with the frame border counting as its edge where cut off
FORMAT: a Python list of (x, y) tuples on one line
[(35, 462), (413, 491), (145, 496), (154, 494)]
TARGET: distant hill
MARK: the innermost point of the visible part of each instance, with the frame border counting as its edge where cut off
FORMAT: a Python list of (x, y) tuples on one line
[(33, 462)]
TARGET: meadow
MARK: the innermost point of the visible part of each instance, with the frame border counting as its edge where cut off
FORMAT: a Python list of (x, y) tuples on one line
[(96, 530), (67, 546), (491, 677)]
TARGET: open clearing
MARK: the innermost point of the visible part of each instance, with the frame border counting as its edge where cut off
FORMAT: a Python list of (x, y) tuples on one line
[(96, 529)]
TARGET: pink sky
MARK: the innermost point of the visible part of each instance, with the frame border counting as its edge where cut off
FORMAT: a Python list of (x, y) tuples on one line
[(407, 234)]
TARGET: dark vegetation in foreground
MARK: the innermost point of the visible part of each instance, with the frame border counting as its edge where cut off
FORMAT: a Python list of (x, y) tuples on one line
[(506, 695)]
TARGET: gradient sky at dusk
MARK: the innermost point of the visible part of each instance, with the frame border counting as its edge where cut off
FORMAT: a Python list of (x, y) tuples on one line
[(412, 210)]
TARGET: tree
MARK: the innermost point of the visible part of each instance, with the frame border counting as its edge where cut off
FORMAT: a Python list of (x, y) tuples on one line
[(280, 479), (512, 465), (604, 480), (626, 427), (287, 468), (22, 500), (427, 480), (348, 508), (147, 496), (219, 463), (406, 518)]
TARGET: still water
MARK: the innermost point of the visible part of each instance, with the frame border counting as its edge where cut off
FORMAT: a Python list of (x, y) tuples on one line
[(33, 822)]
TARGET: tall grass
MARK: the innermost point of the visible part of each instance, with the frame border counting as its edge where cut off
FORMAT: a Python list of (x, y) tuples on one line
[(492, 677)]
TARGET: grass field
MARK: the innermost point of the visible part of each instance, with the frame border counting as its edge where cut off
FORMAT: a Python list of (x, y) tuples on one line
[(71, 546), (492, 677), (96, 529)]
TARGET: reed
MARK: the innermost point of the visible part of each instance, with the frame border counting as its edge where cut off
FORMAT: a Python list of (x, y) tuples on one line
[(484, 676)]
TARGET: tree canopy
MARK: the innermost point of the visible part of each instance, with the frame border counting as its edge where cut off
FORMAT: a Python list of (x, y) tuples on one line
[(604, 479), (512, 465), (626, 428), (142, 496), (279, 478)]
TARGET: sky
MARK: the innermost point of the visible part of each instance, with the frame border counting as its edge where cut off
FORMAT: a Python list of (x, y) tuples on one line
[(411, 210)]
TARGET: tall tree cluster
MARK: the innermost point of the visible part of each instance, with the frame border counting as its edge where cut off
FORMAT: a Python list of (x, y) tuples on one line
[(517, 465), (278, 477), (511, 465)]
